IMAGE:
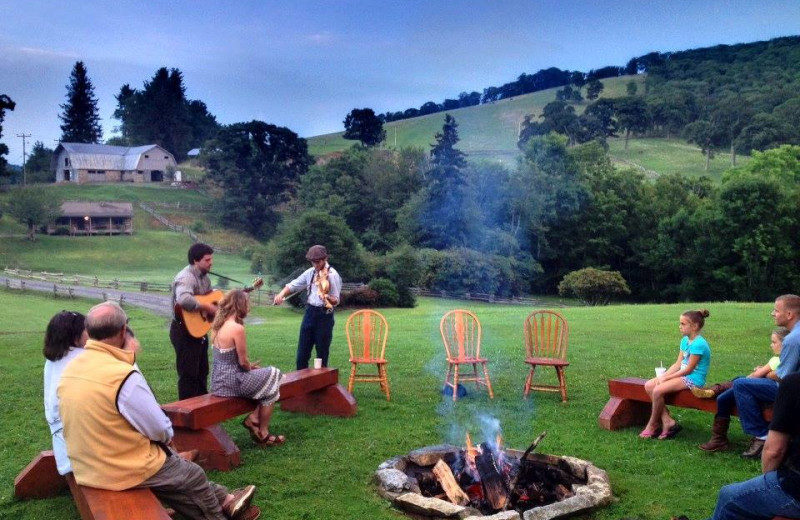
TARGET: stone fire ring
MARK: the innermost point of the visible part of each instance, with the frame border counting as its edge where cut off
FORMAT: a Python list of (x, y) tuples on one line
[(395, 486)]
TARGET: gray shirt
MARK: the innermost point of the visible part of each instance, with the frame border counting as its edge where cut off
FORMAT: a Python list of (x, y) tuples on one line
[(187, 283)]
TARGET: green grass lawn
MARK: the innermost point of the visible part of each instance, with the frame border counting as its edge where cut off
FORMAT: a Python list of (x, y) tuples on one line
[(153, 256), (325, 468)]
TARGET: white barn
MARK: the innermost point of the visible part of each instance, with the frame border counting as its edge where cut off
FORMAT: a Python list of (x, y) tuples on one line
[(88, 163)]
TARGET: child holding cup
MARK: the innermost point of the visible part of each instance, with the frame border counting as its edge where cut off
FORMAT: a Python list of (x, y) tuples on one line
[(688, 371)]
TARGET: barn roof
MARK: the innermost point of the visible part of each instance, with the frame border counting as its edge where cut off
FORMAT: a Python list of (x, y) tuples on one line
[(91, 156), (96, 209)]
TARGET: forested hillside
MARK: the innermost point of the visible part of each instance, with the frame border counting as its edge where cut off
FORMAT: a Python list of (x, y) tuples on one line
[(421, 209)]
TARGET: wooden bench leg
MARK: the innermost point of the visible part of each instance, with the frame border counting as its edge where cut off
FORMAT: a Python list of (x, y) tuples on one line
[(332, 400), (620, 413), (215, 449), (39, 479)]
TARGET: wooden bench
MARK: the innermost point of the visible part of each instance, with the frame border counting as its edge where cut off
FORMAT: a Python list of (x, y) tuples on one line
[(629, 404), (196, 420), (104, 504), (40, 479)]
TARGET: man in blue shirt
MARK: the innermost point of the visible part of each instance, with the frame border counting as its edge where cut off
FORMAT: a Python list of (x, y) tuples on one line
[(776, 492), (752, 393)]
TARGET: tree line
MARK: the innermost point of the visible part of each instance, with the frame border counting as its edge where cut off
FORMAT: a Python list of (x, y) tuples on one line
[(436, 220)]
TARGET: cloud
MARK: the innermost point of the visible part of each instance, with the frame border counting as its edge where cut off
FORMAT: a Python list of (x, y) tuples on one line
[(322, 38), (28, 52)]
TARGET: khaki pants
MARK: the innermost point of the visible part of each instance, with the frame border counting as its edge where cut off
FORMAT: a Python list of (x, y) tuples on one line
[(184, 487)]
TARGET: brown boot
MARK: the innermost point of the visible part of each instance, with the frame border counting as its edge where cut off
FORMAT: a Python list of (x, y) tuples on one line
[(713, 392), (719, 435), (754, 450)]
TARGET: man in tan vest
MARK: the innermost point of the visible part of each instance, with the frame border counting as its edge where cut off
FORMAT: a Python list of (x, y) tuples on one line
[(117, 435)]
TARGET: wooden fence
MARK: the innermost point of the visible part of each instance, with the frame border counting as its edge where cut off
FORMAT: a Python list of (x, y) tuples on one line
[(89, 281), (258, 297), (177, 228)]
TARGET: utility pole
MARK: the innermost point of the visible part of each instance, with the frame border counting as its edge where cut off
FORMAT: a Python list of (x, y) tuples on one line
[(24, 155)]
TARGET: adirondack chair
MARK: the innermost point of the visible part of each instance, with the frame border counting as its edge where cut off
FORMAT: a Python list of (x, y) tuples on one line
[(461, 335), (546, 337), (367, 332)]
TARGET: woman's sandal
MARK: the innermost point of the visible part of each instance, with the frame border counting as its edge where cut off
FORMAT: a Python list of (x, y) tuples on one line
[(671, 432), (252, 428), (272, 440), (650, 434)]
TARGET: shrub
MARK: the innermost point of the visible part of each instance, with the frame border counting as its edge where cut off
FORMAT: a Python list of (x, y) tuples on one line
[(468, 271), (360, 297), (198, 226), (286, 252), (593, 286), (387, 292)]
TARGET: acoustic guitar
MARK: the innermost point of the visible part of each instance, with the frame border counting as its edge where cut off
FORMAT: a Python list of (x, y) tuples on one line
[(197, 322)]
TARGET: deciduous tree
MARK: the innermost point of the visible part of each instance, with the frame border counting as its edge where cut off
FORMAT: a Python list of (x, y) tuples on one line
[(33, 207), (593, 89), (258, 166), (361, 124), (80, 117)]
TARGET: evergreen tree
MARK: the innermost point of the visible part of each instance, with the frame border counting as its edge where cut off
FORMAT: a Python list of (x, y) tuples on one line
[(5, 104), (160, 113), (448, 216), (80, 115), (38, 164)]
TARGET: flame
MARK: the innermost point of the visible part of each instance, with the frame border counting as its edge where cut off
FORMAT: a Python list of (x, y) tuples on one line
[(499, 442), (470, 452)]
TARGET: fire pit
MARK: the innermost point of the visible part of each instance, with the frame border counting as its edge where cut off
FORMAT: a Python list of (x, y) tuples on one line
[(448, 482)]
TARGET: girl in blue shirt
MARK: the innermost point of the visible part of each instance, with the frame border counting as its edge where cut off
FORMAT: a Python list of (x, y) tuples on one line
[(688, 371)]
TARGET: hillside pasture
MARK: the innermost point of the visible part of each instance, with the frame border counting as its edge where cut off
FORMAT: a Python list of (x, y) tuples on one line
[(325, 468), (661, 156), (486, 131)]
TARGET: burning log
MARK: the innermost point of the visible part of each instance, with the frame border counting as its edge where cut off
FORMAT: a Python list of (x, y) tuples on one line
[(448, 482), (495, 487)]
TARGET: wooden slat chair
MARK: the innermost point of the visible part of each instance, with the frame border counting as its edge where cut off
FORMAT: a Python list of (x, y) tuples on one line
[(367, 332), (546, 339), (461, 335)]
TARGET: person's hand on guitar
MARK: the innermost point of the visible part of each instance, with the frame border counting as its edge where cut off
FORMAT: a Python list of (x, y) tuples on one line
[(208, 310)]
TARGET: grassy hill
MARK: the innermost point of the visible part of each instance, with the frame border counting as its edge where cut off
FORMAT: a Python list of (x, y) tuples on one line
[(490, 132), (152, 253)]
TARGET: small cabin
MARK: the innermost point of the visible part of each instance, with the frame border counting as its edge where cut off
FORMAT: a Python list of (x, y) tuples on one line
[(84, 163), (93, 218)]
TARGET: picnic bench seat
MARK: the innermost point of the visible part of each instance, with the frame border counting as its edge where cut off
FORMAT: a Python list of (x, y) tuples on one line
[(196, 420), (629, 404), (40, 479)]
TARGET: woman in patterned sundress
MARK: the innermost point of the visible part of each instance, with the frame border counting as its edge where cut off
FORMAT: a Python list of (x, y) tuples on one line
[(234, 375)]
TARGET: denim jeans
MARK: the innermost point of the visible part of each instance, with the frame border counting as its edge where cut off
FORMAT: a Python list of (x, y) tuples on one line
[(759, 498), (726, 402), (750, 394), (316, 330)]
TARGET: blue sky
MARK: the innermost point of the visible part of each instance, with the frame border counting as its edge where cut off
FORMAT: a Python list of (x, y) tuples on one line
[(305, 64)]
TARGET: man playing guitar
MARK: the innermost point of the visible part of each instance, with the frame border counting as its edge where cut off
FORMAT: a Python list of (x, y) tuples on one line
[(191, 353)]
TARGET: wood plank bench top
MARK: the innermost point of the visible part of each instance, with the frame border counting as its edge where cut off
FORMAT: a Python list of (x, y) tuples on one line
[(104, 504), (196, 420), (629, 404), (207, 410)]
